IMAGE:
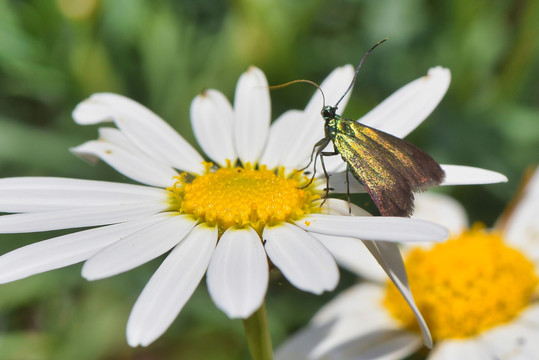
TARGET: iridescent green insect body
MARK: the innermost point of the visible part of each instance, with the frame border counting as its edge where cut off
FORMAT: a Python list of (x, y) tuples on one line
[(389, 168)]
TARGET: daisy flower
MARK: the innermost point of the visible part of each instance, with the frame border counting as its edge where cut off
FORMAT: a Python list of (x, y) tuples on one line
[(233, 219), (477, 292)]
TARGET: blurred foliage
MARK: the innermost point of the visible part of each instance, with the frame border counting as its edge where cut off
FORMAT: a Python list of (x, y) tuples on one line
[(162, 53)]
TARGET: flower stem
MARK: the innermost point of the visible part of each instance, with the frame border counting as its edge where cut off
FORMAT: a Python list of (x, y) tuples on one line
[(257, 333)]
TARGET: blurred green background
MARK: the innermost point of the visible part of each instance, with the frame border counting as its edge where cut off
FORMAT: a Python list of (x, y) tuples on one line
[(55, 53)]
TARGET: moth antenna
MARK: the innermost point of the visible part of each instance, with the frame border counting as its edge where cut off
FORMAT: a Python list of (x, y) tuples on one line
[(273, 87), (357, 69)]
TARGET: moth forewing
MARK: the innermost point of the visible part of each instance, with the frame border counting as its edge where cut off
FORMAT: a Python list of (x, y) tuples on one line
[(389, 168)]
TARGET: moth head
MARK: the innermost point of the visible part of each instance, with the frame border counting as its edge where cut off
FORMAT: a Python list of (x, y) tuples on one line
[(328, 112)]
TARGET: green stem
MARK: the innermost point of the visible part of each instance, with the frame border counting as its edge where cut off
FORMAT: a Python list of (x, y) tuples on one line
[(257, 333)]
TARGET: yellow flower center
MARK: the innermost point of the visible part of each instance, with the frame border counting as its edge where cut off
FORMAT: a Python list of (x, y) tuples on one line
[(241, 196), (465, 286)]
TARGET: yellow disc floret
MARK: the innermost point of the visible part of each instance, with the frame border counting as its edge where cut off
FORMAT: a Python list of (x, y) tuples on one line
[(237, 196), (465, 285)]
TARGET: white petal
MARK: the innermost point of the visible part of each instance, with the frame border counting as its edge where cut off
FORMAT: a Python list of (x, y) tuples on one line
[(144, 128), (363, 302), (94, 110), (441, 209), (466, 349), (282, 135), (389, 257), (131, 164), (212, 119), (351, 254), (33, 194), (354, 327), (384, 228), (467, 175), (380, 345), (530, 315), (301, 258), (522, 228), (300, 345), (514, 340), (406, 108), (312, 128), (238, 273), (171, 286), (532, 186), (77, 217), (346, 341), (139, 247), (64, 250), (252, 111), (334, 206), (337, 184)]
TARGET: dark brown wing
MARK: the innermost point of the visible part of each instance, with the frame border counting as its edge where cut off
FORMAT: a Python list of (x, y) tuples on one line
[(390, 168)]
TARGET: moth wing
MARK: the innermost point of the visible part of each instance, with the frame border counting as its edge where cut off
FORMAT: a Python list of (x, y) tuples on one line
[(390, 168)]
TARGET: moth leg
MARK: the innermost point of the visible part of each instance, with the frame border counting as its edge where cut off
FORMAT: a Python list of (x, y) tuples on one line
[(320, 144), (348, 190), (322, 154), (317, 148)]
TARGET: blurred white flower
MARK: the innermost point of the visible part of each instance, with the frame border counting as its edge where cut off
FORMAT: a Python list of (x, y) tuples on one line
[(477, 292)]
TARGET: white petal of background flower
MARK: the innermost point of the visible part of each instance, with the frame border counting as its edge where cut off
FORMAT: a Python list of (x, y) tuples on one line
[(441, 209), (300, 345), (138, 168), (65, 250), (531, 315), (171, 286), (212, 119), (346, 341), (78, 217), (382, 344), (385, 228), (138, 248), (282, 136), (334, 332), (34, 194), (467, 175), (351, 254), (302, 259), (514, 340), (362, 301), (252, 111), (389, 257), (143, 127), (522, 227), (406, 108), (461, 350), (238, 273)]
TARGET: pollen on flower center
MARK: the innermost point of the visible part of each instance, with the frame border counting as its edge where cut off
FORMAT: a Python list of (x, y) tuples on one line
[(465, 285), (244, 196)]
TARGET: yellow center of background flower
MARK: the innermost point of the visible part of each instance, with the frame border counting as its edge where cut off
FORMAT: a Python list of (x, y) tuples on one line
[(465, 285), (244, 196)]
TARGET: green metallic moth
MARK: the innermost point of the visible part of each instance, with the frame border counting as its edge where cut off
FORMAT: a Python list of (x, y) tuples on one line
[(389, 168)]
